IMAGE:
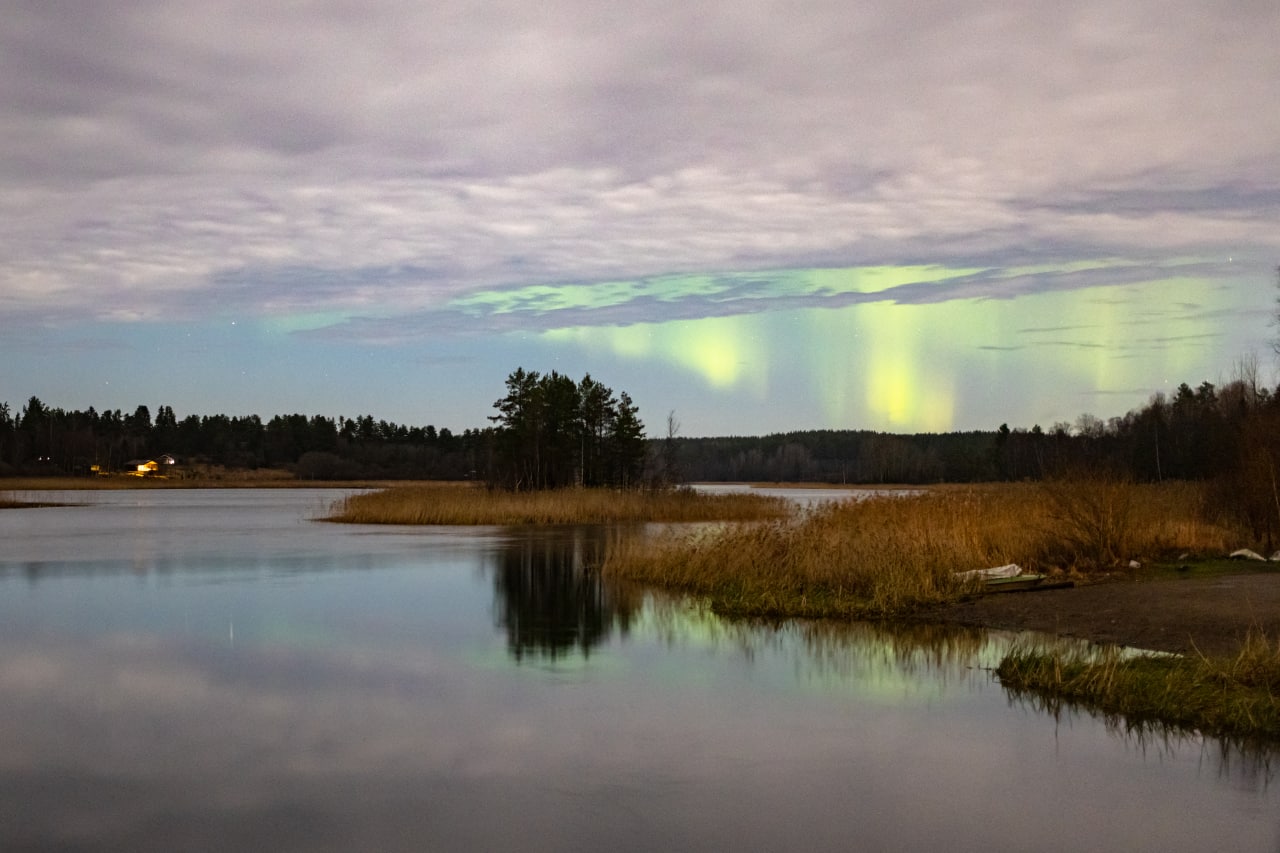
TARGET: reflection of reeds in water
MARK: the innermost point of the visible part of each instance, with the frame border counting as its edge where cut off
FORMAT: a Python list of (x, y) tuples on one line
[(1237, 699), (1250, 761), (14, 502), (852, 651), (452, 504), (887, 555), (830, 651)]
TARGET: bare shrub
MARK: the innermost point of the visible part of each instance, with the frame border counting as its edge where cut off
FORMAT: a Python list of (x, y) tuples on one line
[(1251, 490), (1093, 521)]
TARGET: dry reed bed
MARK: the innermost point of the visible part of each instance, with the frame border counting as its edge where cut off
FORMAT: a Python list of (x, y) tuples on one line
[(463, 505), (888, 555), (1230, 697)]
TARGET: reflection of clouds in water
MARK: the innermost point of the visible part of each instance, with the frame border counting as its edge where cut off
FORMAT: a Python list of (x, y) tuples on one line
[(252, 709), (312, 746), (368, 703), (294, 731)]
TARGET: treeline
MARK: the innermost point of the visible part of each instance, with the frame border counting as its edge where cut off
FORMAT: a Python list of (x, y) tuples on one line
[(1228, 436), (834, 456), (1197, 434), (550, 431), (41, 439)]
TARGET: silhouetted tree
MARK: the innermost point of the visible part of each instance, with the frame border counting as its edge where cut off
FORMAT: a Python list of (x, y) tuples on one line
[(7, 429), (1275, 317), (551, 432), (626, 440)]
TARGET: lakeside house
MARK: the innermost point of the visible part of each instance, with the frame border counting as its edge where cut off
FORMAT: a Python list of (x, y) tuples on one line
[(149, 467)]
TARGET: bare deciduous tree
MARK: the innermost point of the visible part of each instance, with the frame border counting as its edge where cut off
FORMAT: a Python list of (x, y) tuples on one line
[(1275, 320)]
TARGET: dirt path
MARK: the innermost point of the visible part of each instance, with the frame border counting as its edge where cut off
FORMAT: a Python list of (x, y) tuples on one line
[(1212, 614)]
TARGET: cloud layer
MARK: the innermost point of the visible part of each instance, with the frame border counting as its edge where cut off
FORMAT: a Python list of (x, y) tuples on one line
[(384, 162)]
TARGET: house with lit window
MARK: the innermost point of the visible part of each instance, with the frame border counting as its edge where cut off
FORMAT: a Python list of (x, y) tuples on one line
[(148, 467)]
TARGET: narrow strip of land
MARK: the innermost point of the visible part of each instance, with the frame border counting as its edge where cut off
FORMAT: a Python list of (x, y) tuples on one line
[(1210, 614)]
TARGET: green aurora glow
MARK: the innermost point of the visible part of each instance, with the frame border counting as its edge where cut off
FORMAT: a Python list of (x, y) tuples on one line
[(909, 367)]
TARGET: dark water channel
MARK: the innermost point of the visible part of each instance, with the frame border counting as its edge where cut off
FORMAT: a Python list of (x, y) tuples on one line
[(212, 670)]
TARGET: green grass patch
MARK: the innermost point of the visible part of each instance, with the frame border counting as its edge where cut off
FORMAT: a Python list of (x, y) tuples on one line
[(1211, 568), (1229, 697)]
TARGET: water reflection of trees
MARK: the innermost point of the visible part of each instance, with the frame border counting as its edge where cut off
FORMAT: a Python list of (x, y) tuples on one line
[(549, 596)]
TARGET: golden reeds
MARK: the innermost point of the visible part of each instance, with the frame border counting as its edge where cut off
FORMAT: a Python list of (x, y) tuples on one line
[(849, 559), (469, 505), (890, 554)]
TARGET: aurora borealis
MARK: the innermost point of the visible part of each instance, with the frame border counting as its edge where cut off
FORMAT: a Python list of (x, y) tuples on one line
[(764, 218)]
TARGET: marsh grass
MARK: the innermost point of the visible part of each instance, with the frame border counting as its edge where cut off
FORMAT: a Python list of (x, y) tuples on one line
[(469, 505), (870, 558), (888, 555), (1224, 697)]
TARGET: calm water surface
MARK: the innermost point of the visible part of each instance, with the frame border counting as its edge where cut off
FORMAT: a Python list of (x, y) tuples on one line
[(213, 670)]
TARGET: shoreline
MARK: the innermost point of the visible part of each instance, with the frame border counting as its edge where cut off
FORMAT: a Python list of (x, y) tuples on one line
[(1210, 614), (1207, 608), (125, 482)]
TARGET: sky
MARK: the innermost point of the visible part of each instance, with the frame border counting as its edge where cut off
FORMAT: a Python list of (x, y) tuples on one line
[(758, 216)]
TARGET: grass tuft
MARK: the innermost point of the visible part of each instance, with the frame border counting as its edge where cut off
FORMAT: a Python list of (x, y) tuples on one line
[(1223, 697)]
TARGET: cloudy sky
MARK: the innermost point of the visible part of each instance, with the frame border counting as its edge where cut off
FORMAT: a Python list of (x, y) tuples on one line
[(764, 216)]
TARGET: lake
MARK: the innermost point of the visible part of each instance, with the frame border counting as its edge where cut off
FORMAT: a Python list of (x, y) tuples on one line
[(215, 670)]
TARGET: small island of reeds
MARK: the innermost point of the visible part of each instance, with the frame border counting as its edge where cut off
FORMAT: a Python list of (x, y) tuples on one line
[(475, 505)]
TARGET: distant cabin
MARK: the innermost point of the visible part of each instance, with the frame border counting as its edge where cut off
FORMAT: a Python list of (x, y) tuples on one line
[(148, 467)]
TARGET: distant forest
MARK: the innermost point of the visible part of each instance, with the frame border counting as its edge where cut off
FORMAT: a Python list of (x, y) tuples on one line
[(46, 440), (1196, 434)]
